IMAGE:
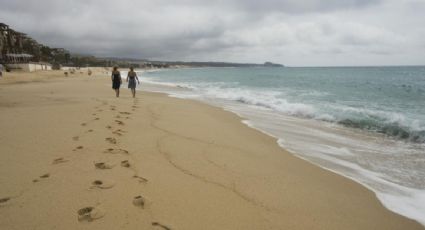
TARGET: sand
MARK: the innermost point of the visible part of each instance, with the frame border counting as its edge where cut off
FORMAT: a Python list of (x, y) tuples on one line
[(72, 156)]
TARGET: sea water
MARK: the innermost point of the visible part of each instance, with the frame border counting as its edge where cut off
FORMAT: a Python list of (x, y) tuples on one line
[(365, 123)]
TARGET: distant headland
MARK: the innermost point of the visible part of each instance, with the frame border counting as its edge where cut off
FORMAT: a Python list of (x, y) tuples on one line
[(17, 48)]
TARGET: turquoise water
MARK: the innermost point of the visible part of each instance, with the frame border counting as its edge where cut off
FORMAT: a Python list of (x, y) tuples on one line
[(389, 100), (365, 123)]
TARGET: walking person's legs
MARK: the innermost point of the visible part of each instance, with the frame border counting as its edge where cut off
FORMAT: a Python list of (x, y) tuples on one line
[(133, 91)]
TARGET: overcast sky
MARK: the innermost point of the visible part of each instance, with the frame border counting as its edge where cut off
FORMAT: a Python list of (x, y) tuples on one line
[(290, 32)]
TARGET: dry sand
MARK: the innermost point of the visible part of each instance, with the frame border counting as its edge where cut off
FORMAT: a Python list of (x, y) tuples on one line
[(72, 156)]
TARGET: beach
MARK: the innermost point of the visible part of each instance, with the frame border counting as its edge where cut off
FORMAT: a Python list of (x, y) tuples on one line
[(75, 157)]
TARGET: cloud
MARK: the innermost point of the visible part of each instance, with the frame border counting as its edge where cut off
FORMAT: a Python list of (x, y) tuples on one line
[(311, 32), (306, 6)]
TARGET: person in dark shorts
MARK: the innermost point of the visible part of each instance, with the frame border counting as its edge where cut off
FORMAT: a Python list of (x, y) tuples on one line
[(116, 80), (131, 79)]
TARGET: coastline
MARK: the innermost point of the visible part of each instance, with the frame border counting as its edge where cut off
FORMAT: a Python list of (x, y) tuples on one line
[(384, 163), (205, 169)]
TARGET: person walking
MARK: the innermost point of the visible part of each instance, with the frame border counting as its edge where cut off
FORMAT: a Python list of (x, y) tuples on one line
[(116, 80), (1, 70), (131, 79)]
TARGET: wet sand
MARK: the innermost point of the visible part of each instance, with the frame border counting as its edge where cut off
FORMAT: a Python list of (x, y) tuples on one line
[(72, 156)]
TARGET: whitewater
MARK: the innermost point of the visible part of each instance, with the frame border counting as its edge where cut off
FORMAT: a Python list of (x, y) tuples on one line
[(365, 123)]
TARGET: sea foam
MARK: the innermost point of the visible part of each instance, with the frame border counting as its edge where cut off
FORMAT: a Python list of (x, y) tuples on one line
[(379, 144)]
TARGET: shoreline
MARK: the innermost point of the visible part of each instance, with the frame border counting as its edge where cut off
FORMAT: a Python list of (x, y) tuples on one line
[(334, 154), (201, 163)]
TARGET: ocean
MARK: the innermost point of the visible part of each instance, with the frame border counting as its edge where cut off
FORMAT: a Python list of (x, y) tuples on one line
[(365, 123)]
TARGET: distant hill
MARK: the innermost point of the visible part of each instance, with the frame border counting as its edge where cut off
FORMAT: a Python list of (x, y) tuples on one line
[(217, 64), (271, 64), (124, 62), (16, 43)]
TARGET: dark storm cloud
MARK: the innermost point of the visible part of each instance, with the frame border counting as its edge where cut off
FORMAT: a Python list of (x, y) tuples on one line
[(288, 31)]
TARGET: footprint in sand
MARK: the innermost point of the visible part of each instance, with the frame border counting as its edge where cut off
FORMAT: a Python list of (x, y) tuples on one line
[(102, 165), (125, 163), (111, 140), (116, 151), (59, 160), (78, 148), (75, 138), (4, 200), (118, 132), (89, 214), (160, 225), (139, 201), (119, 122), (126, 113), (44, 176), (117, 116), (102, 184), (96, 119), (108, 127), (140, 179), (83, 124), (90, 130)]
